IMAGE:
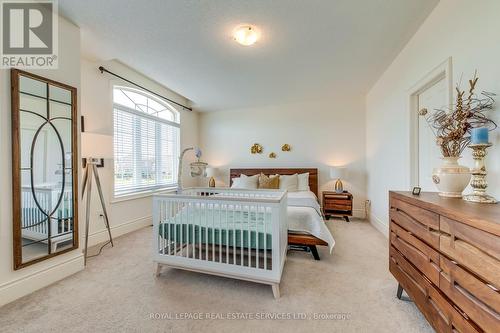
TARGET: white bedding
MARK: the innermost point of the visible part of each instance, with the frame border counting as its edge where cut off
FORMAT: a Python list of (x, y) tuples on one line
[(304, 215)]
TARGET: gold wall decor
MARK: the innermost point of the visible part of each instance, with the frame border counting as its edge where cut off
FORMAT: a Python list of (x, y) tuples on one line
[(256, 149), (286, 147), (272, 155)]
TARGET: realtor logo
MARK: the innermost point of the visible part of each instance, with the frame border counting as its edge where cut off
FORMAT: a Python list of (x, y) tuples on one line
[(29, 34)]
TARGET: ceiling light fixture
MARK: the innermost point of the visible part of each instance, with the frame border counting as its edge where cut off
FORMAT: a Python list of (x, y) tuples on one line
[(245, 35)]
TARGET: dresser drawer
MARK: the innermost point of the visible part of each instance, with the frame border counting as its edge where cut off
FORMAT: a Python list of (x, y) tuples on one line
[(410, 279), (334, 206), (337, 202), (444, 316), (477, 250), (421, 223), (437, 310), (424, 216), (339, 197), (417, 252), (479, 300)]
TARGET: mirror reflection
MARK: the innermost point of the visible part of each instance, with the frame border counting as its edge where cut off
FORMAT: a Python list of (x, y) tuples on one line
[(46, 175)]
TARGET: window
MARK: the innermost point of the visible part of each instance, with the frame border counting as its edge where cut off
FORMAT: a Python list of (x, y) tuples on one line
[(146, 140)]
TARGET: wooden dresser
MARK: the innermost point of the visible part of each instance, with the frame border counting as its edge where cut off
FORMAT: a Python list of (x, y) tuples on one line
[(445, 253)]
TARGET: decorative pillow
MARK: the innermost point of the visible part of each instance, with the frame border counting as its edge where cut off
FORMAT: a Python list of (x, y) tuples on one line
[(271, 182), (289, 183), (303, 183), (245, 182), (236, 182)]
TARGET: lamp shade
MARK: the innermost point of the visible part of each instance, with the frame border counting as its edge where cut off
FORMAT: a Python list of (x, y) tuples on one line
[(338, 172), (97, 145), (211, 172)]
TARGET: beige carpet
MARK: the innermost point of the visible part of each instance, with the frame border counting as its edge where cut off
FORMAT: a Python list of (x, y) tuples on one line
[(352, 288)]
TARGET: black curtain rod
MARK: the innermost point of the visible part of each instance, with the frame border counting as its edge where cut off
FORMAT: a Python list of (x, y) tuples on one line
[(102, 69)]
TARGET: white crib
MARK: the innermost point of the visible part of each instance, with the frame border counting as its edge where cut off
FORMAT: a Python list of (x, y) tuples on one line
[(234, 233), (34, 223)]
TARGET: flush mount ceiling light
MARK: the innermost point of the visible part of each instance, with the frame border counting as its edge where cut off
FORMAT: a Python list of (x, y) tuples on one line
[(246, 35)]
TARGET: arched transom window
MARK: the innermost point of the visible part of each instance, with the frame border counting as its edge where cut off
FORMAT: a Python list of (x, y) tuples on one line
[(146, 142)]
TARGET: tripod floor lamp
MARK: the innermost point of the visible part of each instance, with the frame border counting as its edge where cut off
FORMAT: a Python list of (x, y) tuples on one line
[(95, 147)]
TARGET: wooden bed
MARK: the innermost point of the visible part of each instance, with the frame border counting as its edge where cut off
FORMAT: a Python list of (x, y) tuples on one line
[(294, 239)]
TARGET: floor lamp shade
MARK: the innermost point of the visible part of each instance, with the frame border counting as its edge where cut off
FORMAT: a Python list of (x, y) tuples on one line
[(338, 173), (97, 145)]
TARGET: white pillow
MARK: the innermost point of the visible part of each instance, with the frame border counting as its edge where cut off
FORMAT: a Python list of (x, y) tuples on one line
[(245, 182), (289, 183), (236, 182), (303, 183)]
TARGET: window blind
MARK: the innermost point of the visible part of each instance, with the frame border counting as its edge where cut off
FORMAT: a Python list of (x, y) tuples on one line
[(146, 151)]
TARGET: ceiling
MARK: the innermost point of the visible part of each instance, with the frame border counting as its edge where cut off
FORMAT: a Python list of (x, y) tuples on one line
[(308, 49)]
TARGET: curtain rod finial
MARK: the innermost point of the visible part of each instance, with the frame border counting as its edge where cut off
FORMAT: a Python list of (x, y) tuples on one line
[(101, 69)]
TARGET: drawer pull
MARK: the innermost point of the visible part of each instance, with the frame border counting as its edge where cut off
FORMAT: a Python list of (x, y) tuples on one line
[(408, 216), (412, 247), (492, 287), (472, 258), (476, 302)]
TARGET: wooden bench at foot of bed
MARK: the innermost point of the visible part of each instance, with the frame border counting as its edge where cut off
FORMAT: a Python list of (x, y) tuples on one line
[(306, 241)]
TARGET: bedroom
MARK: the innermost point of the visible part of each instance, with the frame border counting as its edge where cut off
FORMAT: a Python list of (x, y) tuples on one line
[(324, 94)]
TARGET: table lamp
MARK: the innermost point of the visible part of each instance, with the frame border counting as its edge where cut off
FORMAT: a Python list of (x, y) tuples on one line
[(95, 147), (211, 172), (338, 173)]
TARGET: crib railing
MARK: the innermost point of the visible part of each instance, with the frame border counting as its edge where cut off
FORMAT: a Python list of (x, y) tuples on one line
[(239, 233), (34, 222)]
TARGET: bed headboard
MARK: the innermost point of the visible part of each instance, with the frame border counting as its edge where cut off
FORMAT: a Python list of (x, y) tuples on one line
[(313, 174)]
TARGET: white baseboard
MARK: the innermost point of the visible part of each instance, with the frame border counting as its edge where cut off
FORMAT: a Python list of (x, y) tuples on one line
[(379, 225), (119, 229), (25, 285)]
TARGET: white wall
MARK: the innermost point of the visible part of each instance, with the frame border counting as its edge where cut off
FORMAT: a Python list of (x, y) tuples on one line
[(15, 284), (468, 32), (97, 107), (95, 103), (321, 134)]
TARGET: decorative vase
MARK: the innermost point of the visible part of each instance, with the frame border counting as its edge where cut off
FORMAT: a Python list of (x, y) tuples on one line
[(451, 178)]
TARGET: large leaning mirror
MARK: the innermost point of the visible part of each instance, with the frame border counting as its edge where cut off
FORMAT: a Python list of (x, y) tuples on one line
[(44, 168)]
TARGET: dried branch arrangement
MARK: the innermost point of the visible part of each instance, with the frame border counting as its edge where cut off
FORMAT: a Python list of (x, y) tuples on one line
[(452, 126)]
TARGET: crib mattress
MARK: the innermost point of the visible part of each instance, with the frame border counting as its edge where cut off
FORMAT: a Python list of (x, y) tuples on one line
[(238, 228)]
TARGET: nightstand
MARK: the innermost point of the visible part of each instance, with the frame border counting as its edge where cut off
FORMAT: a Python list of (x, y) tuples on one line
[(337, 204)]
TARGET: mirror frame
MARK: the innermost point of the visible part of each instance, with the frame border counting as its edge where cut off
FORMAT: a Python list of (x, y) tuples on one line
[(15, 74)]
